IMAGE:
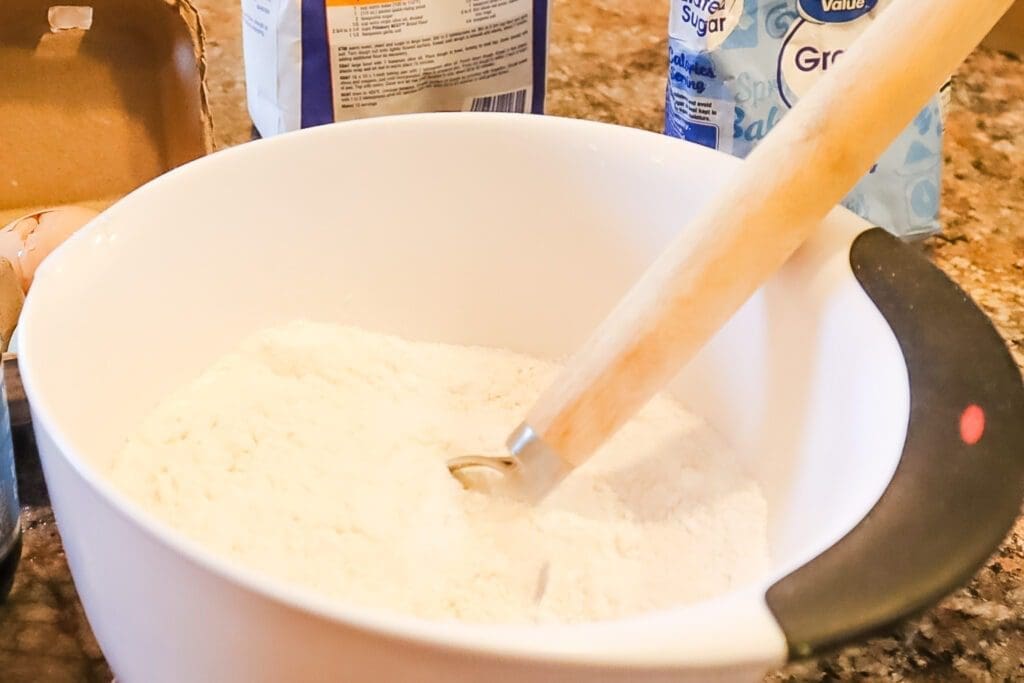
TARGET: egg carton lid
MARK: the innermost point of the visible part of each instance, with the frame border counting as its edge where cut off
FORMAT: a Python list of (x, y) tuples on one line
[(99, 98), (1008, 35)]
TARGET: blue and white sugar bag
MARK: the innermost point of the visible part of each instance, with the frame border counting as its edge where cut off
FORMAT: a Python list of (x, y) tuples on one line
[(737, 66), (309, 62)]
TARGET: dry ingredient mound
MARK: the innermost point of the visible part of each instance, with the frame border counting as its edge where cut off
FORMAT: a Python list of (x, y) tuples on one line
[(315, 453)]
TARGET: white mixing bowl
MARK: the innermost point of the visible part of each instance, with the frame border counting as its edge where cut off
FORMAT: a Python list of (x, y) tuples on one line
[(519, 232)]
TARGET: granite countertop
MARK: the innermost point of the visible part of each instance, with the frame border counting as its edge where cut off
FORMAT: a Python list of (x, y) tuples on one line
[(608, 63)]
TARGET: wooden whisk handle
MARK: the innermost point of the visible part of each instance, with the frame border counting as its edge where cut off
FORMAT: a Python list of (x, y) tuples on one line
[(760, 216)]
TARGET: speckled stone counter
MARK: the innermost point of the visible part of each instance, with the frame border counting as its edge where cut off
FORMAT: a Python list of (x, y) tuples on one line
[(608, 64)]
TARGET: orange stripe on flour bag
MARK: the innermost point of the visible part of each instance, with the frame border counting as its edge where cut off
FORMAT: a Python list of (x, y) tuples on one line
[(356, 3)]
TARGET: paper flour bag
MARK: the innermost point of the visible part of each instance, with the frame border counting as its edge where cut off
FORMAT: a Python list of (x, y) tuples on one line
[(737, 66), (309, 62)]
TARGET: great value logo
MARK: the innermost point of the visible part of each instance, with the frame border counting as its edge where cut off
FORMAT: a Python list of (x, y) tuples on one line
[(835, 11), (818, 40)]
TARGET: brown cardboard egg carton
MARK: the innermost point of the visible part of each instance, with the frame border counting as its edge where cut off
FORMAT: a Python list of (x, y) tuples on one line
[(1008, 35), (96, 98)]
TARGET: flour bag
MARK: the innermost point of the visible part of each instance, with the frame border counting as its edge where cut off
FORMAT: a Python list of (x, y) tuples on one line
[(309, 62), (737, 66)]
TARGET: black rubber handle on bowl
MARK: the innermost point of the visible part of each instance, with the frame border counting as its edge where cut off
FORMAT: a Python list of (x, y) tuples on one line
[(959, 484)]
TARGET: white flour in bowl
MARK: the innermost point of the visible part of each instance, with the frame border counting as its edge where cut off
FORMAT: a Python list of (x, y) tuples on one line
[(316, 453)]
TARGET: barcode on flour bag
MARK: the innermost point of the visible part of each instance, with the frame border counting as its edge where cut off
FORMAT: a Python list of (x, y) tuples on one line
[(508, 102), (310, 62)]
